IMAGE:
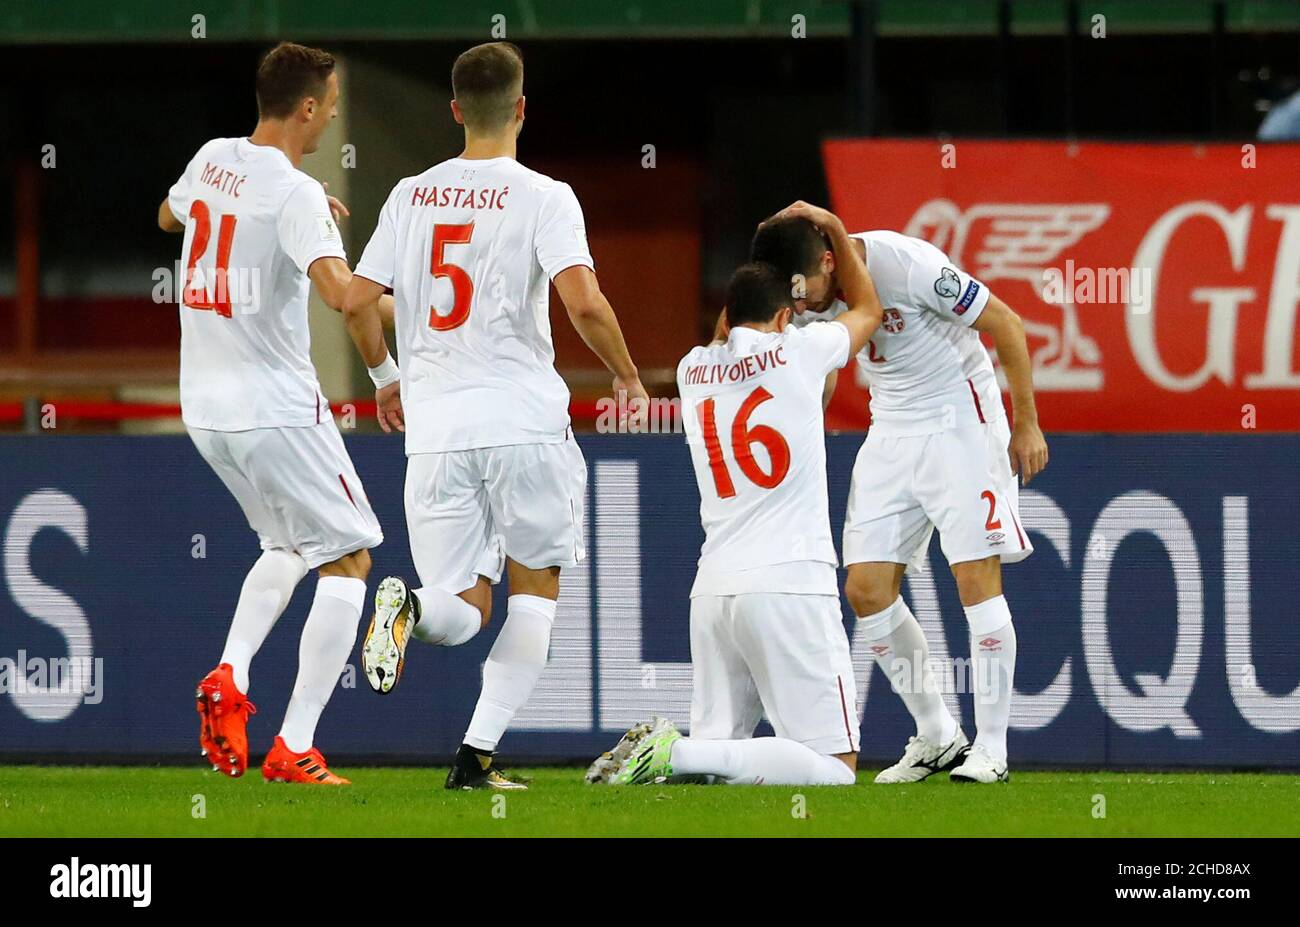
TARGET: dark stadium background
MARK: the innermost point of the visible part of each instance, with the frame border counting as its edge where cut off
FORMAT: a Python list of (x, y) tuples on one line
[(736, 109)]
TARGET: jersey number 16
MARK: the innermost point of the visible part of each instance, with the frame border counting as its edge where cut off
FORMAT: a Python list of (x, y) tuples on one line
[(742, 438)]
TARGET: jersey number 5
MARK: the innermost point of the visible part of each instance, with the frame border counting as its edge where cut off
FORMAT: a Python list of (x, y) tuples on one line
[(742, 436), (197, 297), (461, 285)]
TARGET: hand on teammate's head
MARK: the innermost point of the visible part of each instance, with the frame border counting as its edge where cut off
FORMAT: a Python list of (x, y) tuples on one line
[(800, 209)]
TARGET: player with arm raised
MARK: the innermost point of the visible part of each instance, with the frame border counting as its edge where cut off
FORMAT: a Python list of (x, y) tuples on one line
[(258, 233), (939, 454), (766, 633), (470, 247)]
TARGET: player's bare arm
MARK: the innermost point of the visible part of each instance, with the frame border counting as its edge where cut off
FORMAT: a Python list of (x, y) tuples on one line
[(331, 276), (721, 329), (167, 220), (361, 313), (829, 389), (1028, 448), (594, 319), (336, 278), (865, 312)]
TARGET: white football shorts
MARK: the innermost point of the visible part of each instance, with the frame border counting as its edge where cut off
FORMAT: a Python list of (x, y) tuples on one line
[(958, 481), (297, 487), (780, 655), (465, 510)]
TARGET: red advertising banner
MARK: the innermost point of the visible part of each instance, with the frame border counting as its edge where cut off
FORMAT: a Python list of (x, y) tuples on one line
[(1158, 283)]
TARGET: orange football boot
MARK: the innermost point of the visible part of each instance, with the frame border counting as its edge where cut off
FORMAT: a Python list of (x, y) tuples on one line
[(223, 721), (283, 765)]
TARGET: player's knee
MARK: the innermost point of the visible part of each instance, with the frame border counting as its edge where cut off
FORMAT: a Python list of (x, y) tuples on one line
[(525, 581), (355, 565), (866, 597), (480, 596), (978, 581), (846, 768)]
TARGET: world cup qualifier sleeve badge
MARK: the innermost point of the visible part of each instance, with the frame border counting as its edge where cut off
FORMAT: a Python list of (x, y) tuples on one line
[(949, 285)]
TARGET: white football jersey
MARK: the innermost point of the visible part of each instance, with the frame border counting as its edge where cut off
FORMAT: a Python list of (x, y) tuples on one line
[(253, 226), (752, 410), (469, 248), (926, 368)]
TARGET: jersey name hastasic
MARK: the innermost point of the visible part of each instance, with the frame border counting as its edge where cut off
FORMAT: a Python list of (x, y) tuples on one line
[(469, 248)]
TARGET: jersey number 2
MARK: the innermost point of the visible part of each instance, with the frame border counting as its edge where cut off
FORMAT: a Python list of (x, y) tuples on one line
[(742, 436), (197, 297), (461, 285), (992, 523)]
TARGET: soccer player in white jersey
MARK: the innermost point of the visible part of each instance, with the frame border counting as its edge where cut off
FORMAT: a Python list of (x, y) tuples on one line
[(938, 454), (766, 633), (470, 247), (258, 233)]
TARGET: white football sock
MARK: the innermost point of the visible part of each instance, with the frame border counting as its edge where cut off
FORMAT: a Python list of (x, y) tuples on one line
[(267, 589), (326, 642), (512, 668), (758, 761), (445, 619), (993, 668), (900, 649)]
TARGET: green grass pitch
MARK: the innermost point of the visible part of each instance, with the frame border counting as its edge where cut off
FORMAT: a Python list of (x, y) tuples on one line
[(150, 801)]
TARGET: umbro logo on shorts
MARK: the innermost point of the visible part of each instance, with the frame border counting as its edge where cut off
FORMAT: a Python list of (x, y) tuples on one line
[(880, 650), (997, 537), (990, 643)]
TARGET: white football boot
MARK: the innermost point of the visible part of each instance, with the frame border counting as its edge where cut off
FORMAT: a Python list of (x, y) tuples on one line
[(923, 758), (980, 766), (383, 652), (603, 769)]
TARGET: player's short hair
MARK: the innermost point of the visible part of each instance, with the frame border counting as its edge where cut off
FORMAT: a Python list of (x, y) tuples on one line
[(287, 75), (794, 245), (756, 293), (486, 81)]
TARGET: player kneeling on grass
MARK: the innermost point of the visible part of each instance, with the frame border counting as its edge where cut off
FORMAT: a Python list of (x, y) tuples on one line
[(766, 632), (939, 454)]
